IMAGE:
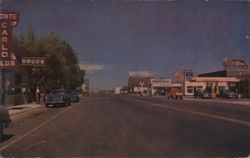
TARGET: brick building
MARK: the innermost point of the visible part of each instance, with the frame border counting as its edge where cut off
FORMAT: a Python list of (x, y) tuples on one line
[(138, 84)]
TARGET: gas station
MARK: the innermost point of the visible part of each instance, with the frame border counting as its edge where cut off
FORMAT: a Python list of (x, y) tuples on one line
[(234, 78), (212, 84)]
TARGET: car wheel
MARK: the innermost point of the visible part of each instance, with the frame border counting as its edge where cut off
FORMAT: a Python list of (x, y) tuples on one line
[(47, 105), (67, 103)]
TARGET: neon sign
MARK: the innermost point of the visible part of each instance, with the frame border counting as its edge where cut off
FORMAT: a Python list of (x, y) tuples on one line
[(8, 20)]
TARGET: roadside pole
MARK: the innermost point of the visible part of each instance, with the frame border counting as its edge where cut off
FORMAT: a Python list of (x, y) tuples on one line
[(183, 79), (3, 80)]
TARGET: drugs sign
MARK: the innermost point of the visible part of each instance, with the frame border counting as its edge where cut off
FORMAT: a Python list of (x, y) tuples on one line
[(8, 20), (33, 61)]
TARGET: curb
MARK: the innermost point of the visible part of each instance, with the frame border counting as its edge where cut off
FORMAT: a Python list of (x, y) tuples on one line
[(245, 103), (23, 111)]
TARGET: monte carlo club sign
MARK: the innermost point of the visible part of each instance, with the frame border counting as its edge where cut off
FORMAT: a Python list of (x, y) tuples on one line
[(8, 20)]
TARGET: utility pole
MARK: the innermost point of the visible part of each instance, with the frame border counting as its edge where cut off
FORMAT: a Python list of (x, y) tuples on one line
[(183, 78), (3, 80), (248, 38)]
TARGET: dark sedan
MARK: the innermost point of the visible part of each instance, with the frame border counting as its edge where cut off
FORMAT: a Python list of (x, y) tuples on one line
[(202, 94), (227, 94), (58, 97), (74, 97)]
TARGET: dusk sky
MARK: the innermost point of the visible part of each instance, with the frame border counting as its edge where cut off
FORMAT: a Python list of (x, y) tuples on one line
[(114, 38)]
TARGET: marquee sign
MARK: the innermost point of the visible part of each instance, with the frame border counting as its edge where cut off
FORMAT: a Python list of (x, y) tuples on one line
[(8, 20), (160, 82), (235, 63)]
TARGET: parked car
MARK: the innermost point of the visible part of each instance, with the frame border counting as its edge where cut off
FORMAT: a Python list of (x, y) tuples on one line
[(202, 94), (198, 94), (227, 94), (58, 97), (85, 93), (206, 94), (74, 97), (4, 120)]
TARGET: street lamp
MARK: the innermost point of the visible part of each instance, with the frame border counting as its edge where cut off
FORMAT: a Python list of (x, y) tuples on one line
[(240, 73), (141, 84), (248, 38), (33, 84)]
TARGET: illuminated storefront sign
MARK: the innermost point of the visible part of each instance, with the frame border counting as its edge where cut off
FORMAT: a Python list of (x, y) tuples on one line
[(8, 20)]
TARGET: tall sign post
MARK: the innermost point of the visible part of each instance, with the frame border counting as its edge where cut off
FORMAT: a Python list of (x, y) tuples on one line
[(8, 20), (183, 78)]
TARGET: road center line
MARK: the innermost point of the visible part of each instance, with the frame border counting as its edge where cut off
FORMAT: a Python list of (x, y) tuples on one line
[(37, 127), (197, 113)]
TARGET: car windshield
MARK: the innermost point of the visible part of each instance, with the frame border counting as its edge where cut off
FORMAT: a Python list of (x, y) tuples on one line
[(58, 92), (125, 78)]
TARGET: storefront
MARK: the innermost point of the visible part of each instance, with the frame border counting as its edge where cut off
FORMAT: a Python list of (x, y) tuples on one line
[(160, 86), (211, 84), (236, 68), (138, 84)]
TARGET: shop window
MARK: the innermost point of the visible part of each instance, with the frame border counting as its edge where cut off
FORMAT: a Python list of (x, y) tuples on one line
[(208, 89), (190, 89), (221, 88), (199, 87)]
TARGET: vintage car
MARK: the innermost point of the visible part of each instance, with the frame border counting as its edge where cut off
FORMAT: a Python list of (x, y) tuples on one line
[(228, 94), (198, 94), (206, 94), (202, 94), (4, 120), (74, 97), (58, 97), (174, 93)]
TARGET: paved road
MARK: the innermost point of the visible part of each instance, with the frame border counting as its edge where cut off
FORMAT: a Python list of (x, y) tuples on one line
[(121, 126)]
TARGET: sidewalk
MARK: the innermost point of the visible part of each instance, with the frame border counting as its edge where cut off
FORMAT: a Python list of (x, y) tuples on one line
[(17, 109), (242, 101)]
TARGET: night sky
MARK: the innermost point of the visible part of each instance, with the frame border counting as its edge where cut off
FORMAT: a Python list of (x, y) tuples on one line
[(153, 37)]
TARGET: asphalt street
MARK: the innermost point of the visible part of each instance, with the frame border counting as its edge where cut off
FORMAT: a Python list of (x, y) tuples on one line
[(129, 126)]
